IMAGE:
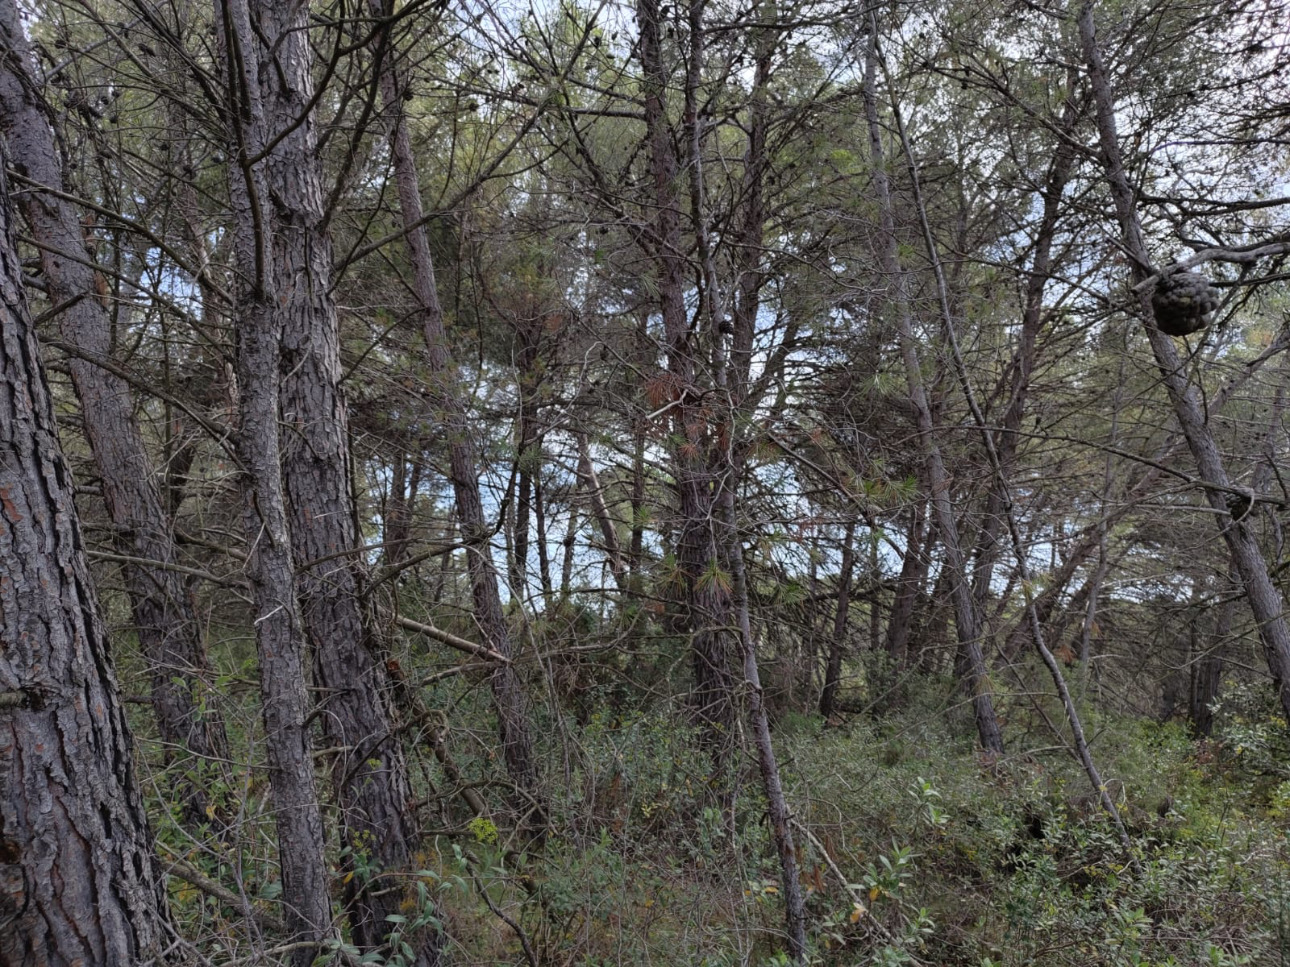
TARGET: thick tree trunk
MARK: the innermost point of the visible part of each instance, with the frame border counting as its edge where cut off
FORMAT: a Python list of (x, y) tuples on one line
[(837, 643), (446, 392), (78, 882), (369, 773), (169, 634), (279, 633), (966, 622), (1265, 601)]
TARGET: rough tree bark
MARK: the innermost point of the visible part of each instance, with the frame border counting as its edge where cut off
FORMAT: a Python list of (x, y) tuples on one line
[(169, 633), (446, 392), (1206, 662), (78, 882), (1247, 557), (369, 772), (279, 633)]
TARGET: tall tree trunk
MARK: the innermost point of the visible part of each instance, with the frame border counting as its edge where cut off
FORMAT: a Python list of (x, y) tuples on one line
[(566, 563), (837, 643), (169, 634), (369, 773), (1265, 601), (279, 634), (78, 881), (966, 620), (708, 598), (731, 371), (446, 392), (645, 352)]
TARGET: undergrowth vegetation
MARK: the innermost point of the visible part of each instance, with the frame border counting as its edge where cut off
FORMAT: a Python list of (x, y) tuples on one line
[(913, 848)]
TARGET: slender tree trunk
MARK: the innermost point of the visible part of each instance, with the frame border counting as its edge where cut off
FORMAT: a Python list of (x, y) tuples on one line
[(1207, 666), (875, 596), (529, 446), (169, 634), (708, 598), (78, 881), (395, 518), (837, 644), (544, 550), (279, 633), (645, 359), (1023, 363), (776, 802), (1265, 601), (909, 586), (966, 622), (731, 376), (369, 773), (566, 563), (596, 497), (446, 392), (1001, 483)]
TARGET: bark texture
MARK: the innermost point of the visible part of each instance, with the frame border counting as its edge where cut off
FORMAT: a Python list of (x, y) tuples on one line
[(78, 883), (279, 633), (169, 634), (369, 772)]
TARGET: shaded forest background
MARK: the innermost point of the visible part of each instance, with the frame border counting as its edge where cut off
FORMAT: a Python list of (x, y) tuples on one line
[(672, 483)]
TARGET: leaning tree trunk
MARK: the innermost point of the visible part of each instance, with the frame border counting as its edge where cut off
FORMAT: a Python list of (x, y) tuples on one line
[(369, 772), (78, 882), (169, 634), (1001, 484), (279, 634), (446, 392), (1236, 529), (966, 622)]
